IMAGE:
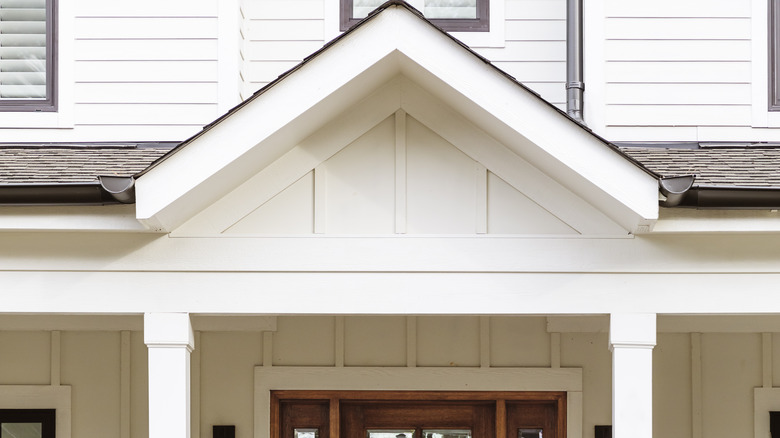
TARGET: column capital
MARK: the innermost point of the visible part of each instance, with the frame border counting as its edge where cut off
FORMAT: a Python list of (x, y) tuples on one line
[(168, 330), (632, 330)]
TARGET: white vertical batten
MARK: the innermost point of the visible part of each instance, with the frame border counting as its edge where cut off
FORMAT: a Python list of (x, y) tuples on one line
[(55, 372), (555, 350), (631, 339), (170, 340), (766, 339), (400, 172), (229, 37), (481, 175), (124, 384), (484, 342), (411, 341), (321, 198), (195, 387), (696, 401), (268, 349), (339, 344), (593, 40)]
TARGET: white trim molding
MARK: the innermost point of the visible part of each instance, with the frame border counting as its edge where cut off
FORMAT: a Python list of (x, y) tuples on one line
[(40, 397), (417, 379)]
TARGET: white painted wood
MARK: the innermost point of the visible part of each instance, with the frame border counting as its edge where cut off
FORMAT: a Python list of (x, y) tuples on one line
[(281, 50), (270, 30), (671, 8), (696, 386), (146, 114), (109, 92), (320, 174), (400, 171), (676, 115), (537, 51), (481, 194), (124, 384), (536, 9), (285, 9), (145, 27), (230, 42), (170, 340), (679, 50), (297, 162), (536, 30), (631, 339), (55, 362), (411, 341), (413, 379), (678, 94), (289, 212), (678, 72), (195, 386), (672, 324), (678, 28), (40, 397), (529, 71), (145, 71), (260, 73), (146, 50), (766, 359), (146, 8)]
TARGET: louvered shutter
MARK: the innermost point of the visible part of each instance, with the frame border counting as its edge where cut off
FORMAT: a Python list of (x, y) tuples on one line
[(23, 51)]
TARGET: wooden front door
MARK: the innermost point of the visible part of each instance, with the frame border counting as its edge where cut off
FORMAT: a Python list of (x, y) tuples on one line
[(417, 414)]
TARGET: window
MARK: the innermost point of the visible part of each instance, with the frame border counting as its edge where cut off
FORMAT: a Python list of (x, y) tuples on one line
[(774, 55), (27, 423), (450, 15), (27, 72), (424, 414)]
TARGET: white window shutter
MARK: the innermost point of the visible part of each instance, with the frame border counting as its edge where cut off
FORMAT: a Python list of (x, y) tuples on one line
[(22, 49)]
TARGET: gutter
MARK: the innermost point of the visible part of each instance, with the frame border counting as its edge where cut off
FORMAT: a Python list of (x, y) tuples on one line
[(575, 87), (107, 190), (681, 193)]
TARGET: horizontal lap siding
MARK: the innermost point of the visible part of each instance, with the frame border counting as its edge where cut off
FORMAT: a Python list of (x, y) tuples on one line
[(145, 65), (673, 63), (535, 47), (278, 34)]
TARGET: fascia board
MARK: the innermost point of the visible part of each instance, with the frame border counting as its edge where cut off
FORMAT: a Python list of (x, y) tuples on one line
[(251, 138)]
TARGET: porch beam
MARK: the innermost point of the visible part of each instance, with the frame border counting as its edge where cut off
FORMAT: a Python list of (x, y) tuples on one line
[(170, 340), (631, 339)]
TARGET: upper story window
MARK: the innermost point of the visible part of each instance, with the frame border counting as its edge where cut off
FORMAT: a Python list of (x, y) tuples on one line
[(450, 15), (774, 55), (27, 73)]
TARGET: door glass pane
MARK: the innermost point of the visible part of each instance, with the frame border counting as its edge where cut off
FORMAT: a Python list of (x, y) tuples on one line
[(450, 9), (307, 433), (391, 433), (447, 433), (529, 433), (361, 8), (21, 430)]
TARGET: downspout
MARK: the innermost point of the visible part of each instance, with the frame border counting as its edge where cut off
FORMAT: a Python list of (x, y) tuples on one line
[(575, 86)]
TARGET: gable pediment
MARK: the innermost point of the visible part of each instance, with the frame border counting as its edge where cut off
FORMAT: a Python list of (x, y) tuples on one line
[(400, 162), (298, 125)]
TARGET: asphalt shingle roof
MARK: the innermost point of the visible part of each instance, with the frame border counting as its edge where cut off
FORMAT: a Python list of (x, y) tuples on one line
[(24, 164), (714, 167)]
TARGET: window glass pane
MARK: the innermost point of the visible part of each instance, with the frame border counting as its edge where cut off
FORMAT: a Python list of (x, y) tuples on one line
[(23, 49), (450, 9), (307, 433), (21, 430), (529, 433), (361, 8), (390, 433), (447, 433)]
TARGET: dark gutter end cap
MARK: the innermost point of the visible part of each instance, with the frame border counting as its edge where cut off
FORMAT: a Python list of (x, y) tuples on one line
[(121, 188)]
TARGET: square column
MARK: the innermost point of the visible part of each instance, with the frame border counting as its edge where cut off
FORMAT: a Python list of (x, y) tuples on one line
[(631, 339), (170, 340)]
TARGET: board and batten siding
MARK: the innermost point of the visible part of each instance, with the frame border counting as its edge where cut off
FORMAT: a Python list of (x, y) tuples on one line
[(673, 67), (281, 33)]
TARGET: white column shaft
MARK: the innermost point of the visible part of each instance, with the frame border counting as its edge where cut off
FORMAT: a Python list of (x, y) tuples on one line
[(170, 341), (632, 338)]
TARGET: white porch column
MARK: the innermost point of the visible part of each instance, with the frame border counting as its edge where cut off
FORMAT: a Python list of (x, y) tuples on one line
[(170, 341), (631, 339)]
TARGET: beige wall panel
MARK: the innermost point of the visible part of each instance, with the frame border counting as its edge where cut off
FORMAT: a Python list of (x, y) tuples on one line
[(590, 351), (511, 212), (375, 341), (517, 341), (448, 341), (90, 364), (25, 359), (360, 184), (291, 211), (775, 360), (304, 341), (672, 385), (731, 368), (227, 369), (139, 386), (441, 184)]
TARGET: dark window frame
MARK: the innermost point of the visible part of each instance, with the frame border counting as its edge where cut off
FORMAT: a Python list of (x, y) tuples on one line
[(479, 24), (50, 103), (47, 418), (774, 55)]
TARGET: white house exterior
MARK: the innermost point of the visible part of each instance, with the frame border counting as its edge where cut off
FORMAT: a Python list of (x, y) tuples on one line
[(232, 213)]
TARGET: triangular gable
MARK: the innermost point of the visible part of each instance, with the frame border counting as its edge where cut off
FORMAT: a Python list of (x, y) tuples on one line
[(396, 43)]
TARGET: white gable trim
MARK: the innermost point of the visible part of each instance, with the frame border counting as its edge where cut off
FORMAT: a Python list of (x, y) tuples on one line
[(393, 42)]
